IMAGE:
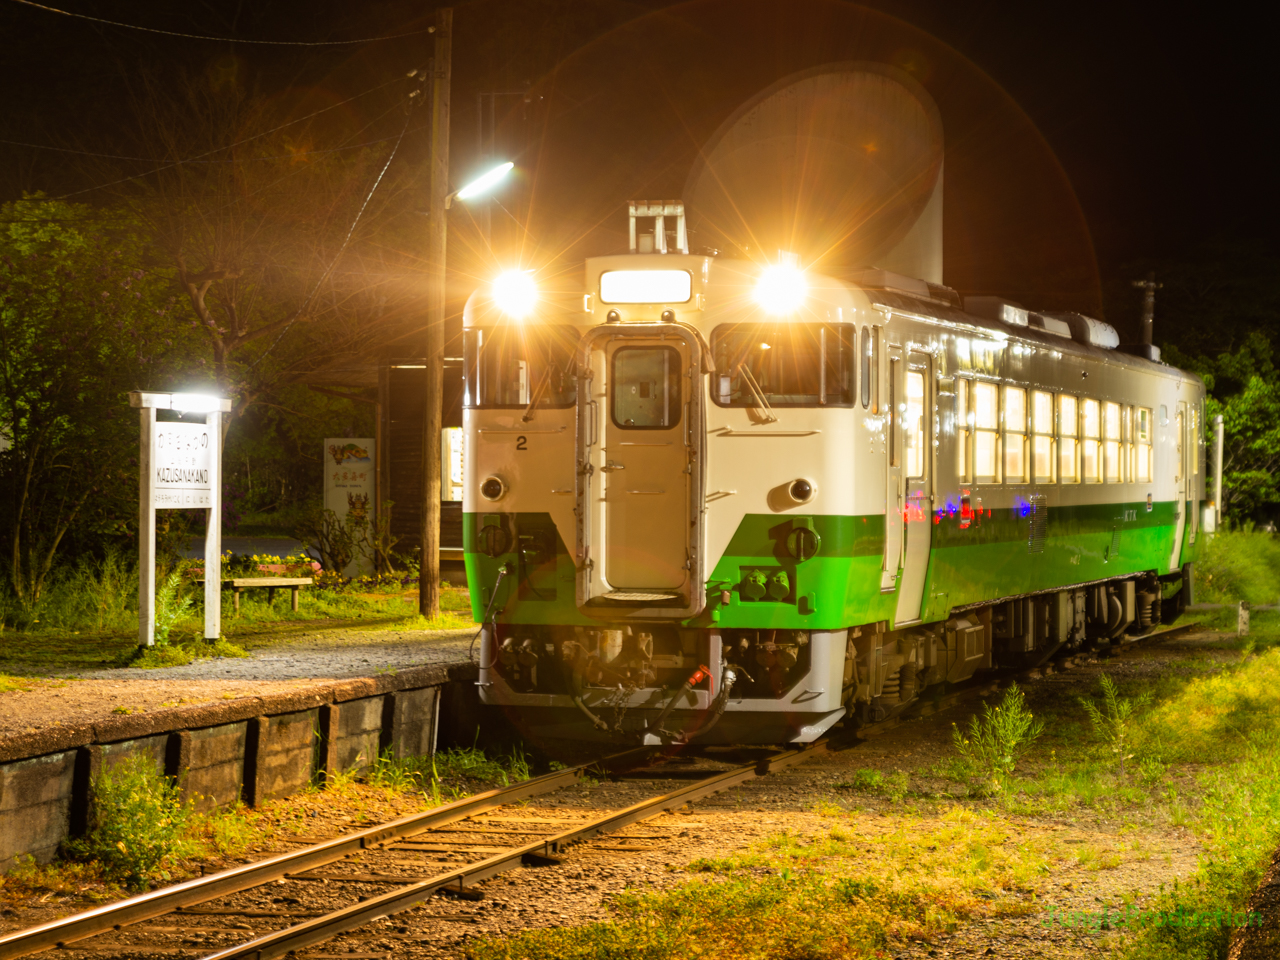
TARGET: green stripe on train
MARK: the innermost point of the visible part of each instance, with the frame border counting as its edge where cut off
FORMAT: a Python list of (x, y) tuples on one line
[(991, 556)]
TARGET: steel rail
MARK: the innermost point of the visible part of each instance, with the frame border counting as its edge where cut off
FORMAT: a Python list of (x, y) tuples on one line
[(157, 903), (309, 932)]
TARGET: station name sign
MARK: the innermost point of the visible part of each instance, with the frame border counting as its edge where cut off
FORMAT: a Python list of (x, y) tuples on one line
[(181, 466)]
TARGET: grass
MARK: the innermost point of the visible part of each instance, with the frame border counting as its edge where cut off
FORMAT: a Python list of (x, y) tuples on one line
[(1239, 565), (843, 892), (89, 618)]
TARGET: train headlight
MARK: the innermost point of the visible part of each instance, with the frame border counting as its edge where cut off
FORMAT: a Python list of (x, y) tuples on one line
[(782, 288), (800, 491), (493, 489), (515, 293)]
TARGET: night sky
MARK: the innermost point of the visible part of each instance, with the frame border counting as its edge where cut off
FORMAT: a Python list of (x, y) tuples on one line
[(1158, 115)]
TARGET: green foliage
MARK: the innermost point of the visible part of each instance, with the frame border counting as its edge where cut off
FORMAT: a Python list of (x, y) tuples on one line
[(1239, 564), (81, 324), (451, 773), (1113, 723), (172, 605), (140, 824), (995, 743)]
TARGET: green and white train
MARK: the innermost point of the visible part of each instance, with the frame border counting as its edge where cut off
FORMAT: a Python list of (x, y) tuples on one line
[(713, 500)]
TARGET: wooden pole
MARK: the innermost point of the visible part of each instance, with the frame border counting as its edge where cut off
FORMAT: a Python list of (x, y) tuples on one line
[(429, 577)]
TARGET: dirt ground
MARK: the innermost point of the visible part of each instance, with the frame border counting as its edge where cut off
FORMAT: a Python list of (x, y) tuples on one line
[(1143, 851)]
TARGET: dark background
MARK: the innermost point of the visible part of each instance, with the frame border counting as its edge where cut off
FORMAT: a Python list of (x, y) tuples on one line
[(1158, 115)]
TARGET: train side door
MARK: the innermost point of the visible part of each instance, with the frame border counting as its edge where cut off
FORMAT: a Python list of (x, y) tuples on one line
[(1180, 479), (895, 492), (915, 410)]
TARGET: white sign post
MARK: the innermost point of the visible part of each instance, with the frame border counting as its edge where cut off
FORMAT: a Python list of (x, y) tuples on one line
[(179, 467)]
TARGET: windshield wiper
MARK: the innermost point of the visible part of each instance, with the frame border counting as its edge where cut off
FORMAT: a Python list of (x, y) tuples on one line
[(537, 395), (761, 402)]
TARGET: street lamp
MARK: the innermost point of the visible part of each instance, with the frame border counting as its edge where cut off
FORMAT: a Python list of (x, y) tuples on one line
[(481, 184)]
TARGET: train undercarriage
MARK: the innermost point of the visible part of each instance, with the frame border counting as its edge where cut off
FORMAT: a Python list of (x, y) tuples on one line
[(659, 683)]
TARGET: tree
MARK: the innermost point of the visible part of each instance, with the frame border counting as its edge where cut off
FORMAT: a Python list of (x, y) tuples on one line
[(1242, 389), (81, 324), (282, 245)]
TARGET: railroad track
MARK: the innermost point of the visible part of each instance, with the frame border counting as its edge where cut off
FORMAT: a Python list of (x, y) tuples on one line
[(378, 880)]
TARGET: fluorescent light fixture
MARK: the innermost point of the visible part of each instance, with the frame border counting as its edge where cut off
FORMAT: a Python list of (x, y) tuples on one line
[(195, 403), (485, 181), (781, 288), (515, 293), (646, 286)]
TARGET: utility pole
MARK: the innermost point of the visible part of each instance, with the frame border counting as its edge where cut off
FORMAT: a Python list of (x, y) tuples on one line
[(438, 176), (1148, 288)]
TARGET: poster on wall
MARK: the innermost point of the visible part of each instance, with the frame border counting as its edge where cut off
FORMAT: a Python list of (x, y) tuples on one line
[(350, 488)]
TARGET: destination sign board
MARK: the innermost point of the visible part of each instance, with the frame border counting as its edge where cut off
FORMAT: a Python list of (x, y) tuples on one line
[(181, 466)]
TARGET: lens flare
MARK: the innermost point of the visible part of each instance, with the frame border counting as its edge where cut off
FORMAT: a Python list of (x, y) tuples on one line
[(781, 289), (515, 293)]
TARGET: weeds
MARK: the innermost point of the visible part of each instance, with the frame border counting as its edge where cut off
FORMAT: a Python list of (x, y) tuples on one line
[(1113, 724), (995, 743), (171, 606), (140, 824)]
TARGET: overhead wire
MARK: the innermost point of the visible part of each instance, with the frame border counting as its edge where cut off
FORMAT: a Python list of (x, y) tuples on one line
[(229, 146), (197, 36), (116, 156), (341, 250)]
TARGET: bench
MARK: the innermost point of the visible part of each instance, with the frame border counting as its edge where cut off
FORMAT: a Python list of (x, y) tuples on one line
[(239, 584)]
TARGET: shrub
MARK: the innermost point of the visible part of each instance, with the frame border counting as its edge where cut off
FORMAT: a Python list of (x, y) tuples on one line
[(139, 823), (1113, 724), (995, 743)]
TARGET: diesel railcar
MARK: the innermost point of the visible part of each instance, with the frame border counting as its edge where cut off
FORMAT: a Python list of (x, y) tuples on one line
[(711, 500)]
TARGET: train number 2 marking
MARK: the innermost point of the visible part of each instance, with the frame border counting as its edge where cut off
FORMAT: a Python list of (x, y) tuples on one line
[(521, 442)]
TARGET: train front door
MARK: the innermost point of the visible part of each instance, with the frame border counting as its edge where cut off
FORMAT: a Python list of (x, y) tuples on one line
[(639, 487), (912, 412)]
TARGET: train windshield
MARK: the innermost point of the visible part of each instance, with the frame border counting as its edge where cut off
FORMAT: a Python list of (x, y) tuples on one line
[(509, 367), (789, 364)]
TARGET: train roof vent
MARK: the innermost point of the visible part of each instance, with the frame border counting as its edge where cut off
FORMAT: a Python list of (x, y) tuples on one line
[(1059, 328), (900, 283), (998, 308), (1087, 330)]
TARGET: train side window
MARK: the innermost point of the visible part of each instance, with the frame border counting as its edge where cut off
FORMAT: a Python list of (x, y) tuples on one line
[(986, 432), (1142, 445), (1197, 446), (913, 425), (964, 458), (1091, 417), (1126, 444), (1111, 442), (1177, 444), (1068, 439), (1042, 437), (866, 367), (1015, 435)]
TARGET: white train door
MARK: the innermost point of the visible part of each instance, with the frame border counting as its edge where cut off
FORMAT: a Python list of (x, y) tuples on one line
[(1180, 480), (915, 415)]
